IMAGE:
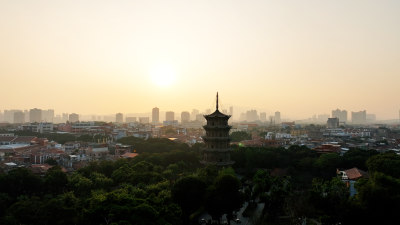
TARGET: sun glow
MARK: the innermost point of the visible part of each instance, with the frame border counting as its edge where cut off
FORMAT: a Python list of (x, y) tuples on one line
[(163, 75)]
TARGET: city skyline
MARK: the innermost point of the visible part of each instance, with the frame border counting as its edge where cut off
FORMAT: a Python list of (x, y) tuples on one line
[(249, 115), (101, 57)]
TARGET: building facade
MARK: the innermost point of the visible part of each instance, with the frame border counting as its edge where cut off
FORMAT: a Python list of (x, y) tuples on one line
[(340, 114), (332, 123), (359, 117), (185, 117), (155, 115), (35, 115), (119, 118), (169, 116), (73, 118)]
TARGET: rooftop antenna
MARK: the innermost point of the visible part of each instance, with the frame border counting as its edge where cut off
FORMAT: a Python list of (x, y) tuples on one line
[(217, 100)]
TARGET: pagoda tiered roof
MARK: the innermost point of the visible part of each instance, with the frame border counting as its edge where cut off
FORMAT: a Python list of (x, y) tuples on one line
[(217, 113)]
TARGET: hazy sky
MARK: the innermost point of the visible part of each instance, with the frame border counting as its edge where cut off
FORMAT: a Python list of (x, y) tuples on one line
[(298, 57)]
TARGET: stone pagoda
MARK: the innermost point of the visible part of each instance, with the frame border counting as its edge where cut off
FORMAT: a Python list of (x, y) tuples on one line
[(217, 149)]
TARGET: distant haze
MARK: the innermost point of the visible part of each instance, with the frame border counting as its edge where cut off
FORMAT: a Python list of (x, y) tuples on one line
[(298, 57)]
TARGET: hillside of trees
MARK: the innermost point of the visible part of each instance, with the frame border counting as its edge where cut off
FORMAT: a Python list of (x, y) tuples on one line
[(166, 184)]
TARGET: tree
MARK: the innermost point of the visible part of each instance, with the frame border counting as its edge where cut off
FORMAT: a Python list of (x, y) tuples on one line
[(387, 163), (240, 136), (224, 197), (188, 193), (21, 181), (55, 180), (378, 199)]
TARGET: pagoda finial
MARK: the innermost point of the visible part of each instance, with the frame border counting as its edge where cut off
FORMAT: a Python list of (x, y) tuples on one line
[(217, 100)]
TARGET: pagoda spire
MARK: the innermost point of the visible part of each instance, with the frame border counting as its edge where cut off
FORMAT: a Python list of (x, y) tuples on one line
[(217, 100)]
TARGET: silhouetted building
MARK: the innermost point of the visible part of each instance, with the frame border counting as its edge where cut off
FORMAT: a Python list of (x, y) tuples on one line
[(185, 117), (217, 150), (278, 117), (359, 117), (169, 116), (155, 115), (332, 123), (35, 115), (119, 118), (73, 118)]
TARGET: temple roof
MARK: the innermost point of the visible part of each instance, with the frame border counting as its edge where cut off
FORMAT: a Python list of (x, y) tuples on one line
[(217, 113)]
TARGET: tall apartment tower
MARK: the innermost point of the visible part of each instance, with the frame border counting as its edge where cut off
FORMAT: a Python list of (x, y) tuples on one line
[(169, 116), (359, 117), (48, 115), (217, 150), (263, 116), (73, 118), (35, 115), (185, 117), (278, 117), (119, 118), (155, 115), (340, 114), (19, 117)]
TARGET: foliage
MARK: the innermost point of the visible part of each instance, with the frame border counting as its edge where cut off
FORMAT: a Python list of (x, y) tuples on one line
[(240, 136)]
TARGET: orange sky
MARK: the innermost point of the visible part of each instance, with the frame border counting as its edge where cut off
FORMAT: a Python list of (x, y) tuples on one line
[(298, 57)]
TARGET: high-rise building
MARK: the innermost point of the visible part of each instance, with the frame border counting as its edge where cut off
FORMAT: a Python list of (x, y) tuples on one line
[(252, 115), (9, 115), (332, 123), (35, 115), (340, 114), (155, 115), (194, 113), (263, 116), (169, 116), (200, 118), (48, 115), (185, 117), (359, 117), (73, 118), (119, 118), (19, 117), (278, 119), (64, 117)]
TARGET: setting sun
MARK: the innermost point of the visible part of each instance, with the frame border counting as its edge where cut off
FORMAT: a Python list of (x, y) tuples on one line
[(163, 75)]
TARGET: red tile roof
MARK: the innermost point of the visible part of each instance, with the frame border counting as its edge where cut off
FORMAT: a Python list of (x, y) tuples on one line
[(355, 173), (129, 155)]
